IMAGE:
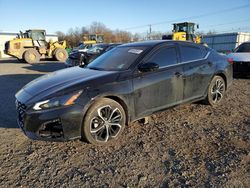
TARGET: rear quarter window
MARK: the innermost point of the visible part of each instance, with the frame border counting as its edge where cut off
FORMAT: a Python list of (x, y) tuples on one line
[(191, 53), (244, 47)]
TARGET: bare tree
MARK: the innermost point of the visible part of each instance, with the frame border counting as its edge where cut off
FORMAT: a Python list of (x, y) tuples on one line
[(97, 28), (60, 35), (135, 37), (211, 32), (74, 36), (156, 35)]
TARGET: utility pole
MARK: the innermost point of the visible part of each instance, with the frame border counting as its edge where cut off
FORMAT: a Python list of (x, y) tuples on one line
[(150, 30)]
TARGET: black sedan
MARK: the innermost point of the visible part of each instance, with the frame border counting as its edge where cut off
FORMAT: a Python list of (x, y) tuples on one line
[(123, 85), (241, 60), (85, 57)]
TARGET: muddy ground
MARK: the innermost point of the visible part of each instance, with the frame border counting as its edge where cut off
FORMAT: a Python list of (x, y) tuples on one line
[(191, 145)]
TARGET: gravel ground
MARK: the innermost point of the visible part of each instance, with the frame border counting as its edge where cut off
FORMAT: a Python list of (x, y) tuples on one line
[(191, 145)]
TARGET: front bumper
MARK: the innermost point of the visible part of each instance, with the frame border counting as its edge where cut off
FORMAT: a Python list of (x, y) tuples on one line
[(241, 68), (59, 124)]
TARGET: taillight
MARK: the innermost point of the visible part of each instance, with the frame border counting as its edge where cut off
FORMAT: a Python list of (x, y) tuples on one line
[(230, 60)]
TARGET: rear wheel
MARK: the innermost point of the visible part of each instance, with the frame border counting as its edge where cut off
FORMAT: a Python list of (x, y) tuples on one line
[(104, 122), (61, 54), (31, 56), (216, 91)]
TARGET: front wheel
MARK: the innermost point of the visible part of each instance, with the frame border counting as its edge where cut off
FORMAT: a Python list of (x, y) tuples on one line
[(31, 56), (104, 122), (216, 91), (61, 54)]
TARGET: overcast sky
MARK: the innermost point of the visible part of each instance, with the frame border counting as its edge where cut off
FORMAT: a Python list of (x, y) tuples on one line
[(130, 15)]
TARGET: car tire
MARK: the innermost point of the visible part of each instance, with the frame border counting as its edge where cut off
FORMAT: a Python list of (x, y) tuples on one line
[(104, 122), (216, 91), (61, 54), (31, 56)]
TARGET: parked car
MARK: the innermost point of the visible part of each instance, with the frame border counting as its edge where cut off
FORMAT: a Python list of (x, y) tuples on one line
[(83, 47), (84, 57), (241, 59), (123, 85)]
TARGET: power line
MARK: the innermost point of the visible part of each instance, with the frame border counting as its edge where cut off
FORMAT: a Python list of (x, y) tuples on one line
[(228, 23), (237, 29), (191, 17)]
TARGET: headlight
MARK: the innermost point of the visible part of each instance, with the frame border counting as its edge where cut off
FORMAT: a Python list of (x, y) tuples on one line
[(64, 100)]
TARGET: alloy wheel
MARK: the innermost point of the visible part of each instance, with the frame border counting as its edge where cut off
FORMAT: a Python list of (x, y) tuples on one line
[(217, 90), (107, 124)]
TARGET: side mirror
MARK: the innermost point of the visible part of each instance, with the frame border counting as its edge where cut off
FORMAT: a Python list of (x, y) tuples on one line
[(148, 67)]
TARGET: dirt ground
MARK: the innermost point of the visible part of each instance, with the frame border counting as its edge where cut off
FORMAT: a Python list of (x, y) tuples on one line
[(191, 145)]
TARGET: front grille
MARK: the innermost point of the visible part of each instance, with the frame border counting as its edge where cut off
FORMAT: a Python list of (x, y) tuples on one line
[(241, 66), (20, 113), (51, 129)]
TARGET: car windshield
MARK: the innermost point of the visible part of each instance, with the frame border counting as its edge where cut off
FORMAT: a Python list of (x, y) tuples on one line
[(96, 49), (119, 58), (245, 47), (81, 46)]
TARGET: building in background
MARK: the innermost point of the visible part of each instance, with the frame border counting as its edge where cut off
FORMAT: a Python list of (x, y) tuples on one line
[(225, 42), (4, 37)]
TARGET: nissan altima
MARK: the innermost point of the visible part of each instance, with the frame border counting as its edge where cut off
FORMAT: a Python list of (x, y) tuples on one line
[(123, 85)]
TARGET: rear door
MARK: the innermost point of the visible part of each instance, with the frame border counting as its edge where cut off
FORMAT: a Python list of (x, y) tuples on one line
[(161, 88), (198, 70)]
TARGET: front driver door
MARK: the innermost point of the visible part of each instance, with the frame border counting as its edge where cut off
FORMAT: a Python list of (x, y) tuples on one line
[(161, 88)]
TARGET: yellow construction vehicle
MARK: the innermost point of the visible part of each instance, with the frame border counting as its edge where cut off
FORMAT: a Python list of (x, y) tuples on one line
[(31, 46), (184, 31), (89, 40), (93, 38)]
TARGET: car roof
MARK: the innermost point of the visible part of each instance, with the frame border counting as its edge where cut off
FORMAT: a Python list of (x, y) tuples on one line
[(144, 43), (106, 44), (114, 44), (152, 43), (247, 42)]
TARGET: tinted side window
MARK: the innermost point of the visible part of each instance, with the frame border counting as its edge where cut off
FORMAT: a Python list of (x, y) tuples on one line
[(190, 53), (164, 57), (245, 47)]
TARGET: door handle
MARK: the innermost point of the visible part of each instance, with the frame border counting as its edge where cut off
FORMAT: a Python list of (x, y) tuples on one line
[(178, 74)]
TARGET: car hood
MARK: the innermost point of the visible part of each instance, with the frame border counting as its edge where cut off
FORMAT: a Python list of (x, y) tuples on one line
[(79, 50), (239, 56), (63, 79), (75, 54)]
